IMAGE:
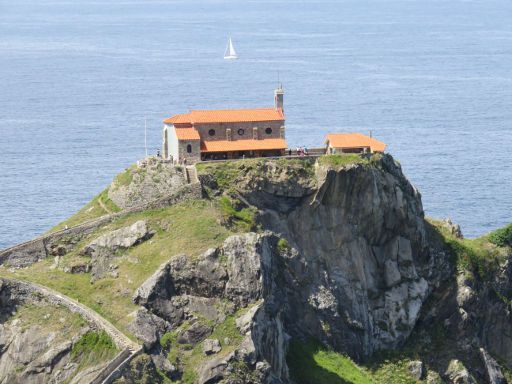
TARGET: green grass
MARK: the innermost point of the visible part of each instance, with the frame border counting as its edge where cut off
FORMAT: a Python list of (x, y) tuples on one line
[(502, 237), (244, 218), (93, 348), (478, 257), (226, 173), (50, 318), (190, 227), (44, 318), (310, 363), (342, 159), (91, 211), (125, 178)]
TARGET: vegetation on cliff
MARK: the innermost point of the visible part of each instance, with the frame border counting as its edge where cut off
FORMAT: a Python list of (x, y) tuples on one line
[(239, 196)]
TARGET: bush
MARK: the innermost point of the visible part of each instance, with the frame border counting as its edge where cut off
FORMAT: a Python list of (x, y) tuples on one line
[(245, 217), (93, 347), (502, 237), (282, 245)]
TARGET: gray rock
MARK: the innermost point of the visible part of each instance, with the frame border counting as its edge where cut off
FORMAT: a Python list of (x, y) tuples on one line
[(457, 373), (120, 239), (416, 369), (157, 286), (493, 370), (194, 334), (102, 249), (391, 273), (150, 180), (244, 322), (211, 346), (148, 327), (214, 370)]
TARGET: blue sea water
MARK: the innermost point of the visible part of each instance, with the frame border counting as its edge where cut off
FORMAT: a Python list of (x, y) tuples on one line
[(433, 79)]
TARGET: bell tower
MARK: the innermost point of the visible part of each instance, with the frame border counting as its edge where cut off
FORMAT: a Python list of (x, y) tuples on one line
[(279, 97)]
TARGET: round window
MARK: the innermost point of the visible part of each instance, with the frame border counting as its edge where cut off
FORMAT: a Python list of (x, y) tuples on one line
[(211, 132), (268, 131), (241, 132)]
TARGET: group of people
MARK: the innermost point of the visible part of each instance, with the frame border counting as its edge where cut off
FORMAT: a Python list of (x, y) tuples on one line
[(301, 151)]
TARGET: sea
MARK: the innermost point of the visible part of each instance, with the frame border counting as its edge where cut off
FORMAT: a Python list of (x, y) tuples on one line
[(80, 78)]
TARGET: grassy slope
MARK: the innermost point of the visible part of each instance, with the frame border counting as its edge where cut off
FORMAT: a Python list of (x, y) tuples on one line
[(190, 227), (92, 210)]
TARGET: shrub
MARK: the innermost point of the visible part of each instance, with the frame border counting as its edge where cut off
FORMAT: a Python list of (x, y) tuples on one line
[(502, 237), (282, 245), (93, 347), (245, 217)]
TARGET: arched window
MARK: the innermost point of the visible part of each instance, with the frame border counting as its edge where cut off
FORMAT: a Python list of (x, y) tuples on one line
[(211, 132), (189, 148), (268, 130)]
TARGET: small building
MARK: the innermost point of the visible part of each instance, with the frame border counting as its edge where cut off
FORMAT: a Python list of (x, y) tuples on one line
[(352, 143), (226, 134)]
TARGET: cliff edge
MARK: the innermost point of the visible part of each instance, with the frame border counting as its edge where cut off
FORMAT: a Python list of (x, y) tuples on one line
[(281, 271)]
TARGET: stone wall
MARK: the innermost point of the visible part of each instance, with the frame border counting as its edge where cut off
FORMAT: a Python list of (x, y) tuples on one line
[(24, 254), (192, 157), (247, 127)]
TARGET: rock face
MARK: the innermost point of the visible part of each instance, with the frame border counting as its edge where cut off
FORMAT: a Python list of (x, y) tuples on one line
[(242, 273), (360, 255), (354, 274), (38, 350), (150, 180)]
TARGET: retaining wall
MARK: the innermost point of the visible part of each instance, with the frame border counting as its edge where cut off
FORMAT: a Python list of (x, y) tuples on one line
[(29, 252)]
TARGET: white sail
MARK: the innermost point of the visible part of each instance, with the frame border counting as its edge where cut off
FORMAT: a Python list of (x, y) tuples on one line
[(230, 52)]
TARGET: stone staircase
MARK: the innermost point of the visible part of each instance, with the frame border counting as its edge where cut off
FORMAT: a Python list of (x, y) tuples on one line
[(191, 173)]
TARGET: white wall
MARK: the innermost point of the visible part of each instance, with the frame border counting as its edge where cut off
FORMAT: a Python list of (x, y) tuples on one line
[(172, 140)]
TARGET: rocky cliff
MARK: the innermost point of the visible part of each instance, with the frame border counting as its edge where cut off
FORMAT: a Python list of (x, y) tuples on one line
[(280, 253)]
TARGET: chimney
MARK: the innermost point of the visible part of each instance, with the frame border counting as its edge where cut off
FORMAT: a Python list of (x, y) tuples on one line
[(279, 98)]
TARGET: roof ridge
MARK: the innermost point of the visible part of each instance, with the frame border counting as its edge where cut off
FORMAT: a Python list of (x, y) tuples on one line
[(235, 109)]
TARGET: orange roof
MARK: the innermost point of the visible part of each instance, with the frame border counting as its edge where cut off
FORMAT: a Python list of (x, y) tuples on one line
[(187, 134), (242, 145), (227, 116), (354, 140)]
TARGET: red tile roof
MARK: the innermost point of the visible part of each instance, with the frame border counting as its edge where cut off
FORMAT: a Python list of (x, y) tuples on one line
[(227, 116), (354, 140), (187, 134), (242, 145)]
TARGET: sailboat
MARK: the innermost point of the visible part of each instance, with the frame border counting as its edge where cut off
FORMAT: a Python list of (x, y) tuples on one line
[(230, 53)]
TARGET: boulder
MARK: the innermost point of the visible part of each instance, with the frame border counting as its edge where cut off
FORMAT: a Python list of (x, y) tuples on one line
[(102, 249), (148, 327), (211, 346), (157, 286), (416, 369), (457, 373), (120, 239), (194, 334)]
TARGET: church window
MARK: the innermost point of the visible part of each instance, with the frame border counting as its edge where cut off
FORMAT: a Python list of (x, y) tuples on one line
[(241, 132), (268, 130), (211, 132), (189, 148)]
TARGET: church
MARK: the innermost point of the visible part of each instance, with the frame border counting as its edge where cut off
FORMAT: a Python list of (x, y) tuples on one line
[(225, 134)]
